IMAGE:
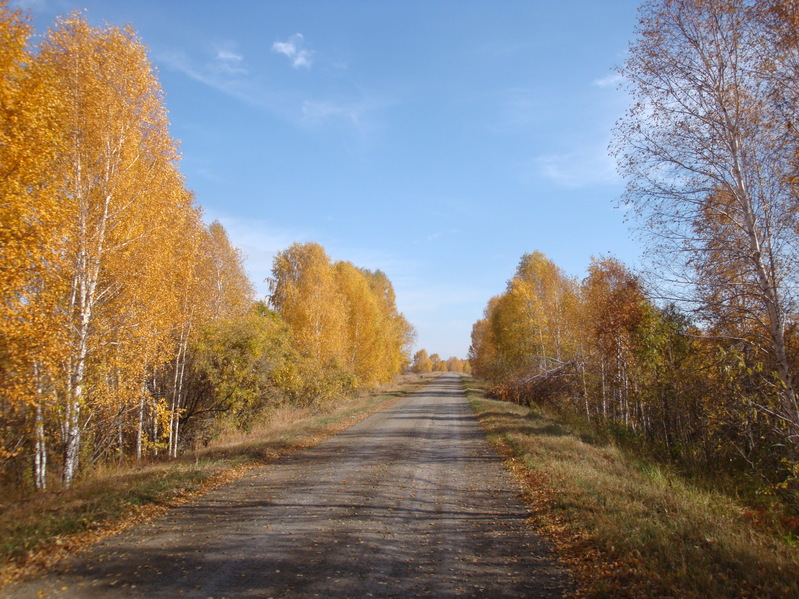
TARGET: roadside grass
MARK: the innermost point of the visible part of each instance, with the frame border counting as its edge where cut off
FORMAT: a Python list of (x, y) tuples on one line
[(37, 530), (629, 527)]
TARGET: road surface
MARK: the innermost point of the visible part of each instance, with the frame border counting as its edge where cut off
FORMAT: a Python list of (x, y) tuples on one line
[(411, 502)]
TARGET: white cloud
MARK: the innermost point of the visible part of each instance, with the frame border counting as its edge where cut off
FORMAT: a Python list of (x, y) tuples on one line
[(294, 50), (579, 168), (611, 80)]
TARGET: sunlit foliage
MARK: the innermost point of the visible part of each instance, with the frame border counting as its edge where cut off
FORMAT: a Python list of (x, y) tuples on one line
[(343, 320), (129, 327)]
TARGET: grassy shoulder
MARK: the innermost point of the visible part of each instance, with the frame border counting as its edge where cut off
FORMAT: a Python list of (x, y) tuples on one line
[(36, 531), (629, 527)]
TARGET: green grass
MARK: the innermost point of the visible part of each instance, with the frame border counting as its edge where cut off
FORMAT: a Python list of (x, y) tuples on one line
[(630, 527), (52, 516), (35, 529)]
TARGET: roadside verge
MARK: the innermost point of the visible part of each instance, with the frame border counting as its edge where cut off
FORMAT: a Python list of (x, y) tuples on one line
[(627, 527)]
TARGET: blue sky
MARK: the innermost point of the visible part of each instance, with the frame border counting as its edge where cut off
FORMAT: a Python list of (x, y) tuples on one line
[(435, 140)]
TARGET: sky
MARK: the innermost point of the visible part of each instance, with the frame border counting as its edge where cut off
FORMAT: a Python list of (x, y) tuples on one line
[(437, 141)]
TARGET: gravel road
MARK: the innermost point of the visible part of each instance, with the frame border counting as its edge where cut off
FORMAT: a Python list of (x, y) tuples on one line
[(410, 502)]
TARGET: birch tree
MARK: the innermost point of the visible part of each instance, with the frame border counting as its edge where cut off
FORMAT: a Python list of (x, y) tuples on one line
[(116, 175), (211, 286), (305, 294), (709, 162), (31, 218)]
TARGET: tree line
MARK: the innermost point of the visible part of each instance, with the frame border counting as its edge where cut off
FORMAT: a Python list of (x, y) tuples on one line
[(129, 327), (699, 354), (423, 362)]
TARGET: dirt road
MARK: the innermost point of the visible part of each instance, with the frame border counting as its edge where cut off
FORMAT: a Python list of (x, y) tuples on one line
[(410, 502)]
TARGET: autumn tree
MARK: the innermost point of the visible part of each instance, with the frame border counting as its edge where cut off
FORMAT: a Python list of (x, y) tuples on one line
[(212, 286), (482, 350), (396, 334), (421, 362), (614, 305), (31, 218), (235, 365), (116, 176), (709, 156), (363, 353), (343, 320), (527, 336), (304, 292), (455, 364)]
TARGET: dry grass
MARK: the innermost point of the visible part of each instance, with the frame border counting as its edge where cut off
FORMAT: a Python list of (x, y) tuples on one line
[(632, 528), (37, 530)]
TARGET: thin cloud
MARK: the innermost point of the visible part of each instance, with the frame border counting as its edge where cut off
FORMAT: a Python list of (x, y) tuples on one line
[(29, 5), (578, 169), (355, 113), (611, 80), (228, 61), (317, 111), (228, 55), (221, 70), (224, 68), (294, 49)]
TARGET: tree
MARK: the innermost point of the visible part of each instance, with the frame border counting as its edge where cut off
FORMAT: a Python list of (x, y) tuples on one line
[(116, 177), (211, 287), (343, 320), (31, 218), (304, 292), (363, 322), (235, 364), (614, 306), (483, 350), (421, 362), (708, 151)]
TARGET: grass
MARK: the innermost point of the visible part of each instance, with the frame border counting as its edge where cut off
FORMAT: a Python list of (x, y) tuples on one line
[(37, 530), (629, 527)]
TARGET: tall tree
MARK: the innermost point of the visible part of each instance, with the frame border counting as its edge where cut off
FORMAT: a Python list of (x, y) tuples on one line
[(31, 219), (305, 294), (709, 161), (212, 286), (116, 178), (395, 334)]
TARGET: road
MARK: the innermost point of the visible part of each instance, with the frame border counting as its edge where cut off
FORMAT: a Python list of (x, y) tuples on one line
[(411, 502)]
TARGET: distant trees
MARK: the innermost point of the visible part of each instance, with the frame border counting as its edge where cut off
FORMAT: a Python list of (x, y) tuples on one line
[(422, 363)]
